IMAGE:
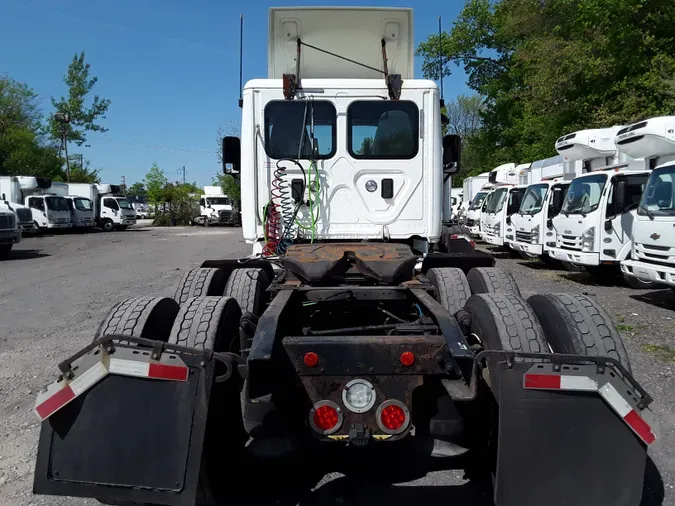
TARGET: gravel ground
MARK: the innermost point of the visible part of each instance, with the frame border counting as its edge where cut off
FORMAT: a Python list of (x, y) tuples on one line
[(56, 289)]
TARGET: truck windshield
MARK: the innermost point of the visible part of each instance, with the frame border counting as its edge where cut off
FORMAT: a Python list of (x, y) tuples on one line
[(657, 198), (533, 201), (584, 194), (56, 204), (124, 204), (477, 201), (217, 201), (82, 204), (497, 199)]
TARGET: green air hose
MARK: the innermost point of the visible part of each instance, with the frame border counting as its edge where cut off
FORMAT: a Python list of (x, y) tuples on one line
[(314, 199)]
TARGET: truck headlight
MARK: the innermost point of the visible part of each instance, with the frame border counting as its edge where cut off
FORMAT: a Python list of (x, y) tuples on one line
[(51, 219), (587, 240), (534, 238), (497, 228)]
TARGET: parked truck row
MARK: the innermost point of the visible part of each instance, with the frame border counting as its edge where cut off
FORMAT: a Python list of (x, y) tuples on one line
[(603, 204), (31, 205)]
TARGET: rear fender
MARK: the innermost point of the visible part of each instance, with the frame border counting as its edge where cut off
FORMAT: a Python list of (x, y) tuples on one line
[(572, 430), (126, 435)]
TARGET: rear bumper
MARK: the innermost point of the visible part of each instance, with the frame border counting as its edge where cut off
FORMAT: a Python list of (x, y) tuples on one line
[(575, 257), (532, 249), (649, 272)]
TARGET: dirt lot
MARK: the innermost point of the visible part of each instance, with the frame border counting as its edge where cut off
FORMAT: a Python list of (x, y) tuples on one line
[(55, 290)]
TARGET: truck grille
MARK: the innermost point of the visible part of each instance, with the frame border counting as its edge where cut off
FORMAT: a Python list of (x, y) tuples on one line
[(225, 215), (523, 236), (470, 222), (25, 216), (7, 221), (657, 254), (490, 230), (572, 242)]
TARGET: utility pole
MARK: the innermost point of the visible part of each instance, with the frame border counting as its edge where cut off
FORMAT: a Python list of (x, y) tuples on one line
[(124, 184), (182, 169)]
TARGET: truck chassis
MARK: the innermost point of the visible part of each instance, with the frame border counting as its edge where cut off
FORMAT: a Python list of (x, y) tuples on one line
[(253, 363)]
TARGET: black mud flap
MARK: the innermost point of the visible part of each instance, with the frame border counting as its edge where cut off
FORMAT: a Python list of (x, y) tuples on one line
[(127, 437), (561, 439)]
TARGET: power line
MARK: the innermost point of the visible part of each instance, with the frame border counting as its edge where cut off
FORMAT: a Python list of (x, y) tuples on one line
[(155, 146)]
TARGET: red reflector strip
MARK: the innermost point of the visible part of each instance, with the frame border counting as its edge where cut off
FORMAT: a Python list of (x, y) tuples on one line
[(625, 411), (543, 381), (169, 372), (55, 402)]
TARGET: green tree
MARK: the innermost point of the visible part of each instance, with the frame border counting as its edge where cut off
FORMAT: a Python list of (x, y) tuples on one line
[(549, 68), (83, 118), (24, 149), (229, 184), (138, 188), (156, 183)]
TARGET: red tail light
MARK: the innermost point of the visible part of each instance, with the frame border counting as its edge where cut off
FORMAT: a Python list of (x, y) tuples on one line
[(311, 359), (325, 417), (393, 417), (407, 358)]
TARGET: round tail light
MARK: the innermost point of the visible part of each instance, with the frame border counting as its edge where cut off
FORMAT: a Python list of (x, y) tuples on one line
[(325, 417), (393, 417)]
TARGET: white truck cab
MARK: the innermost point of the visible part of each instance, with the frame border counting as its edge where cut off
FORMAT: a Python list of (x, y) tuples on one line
[(50, 211), (10, 233), (332, 150), (596, 221), (216, 208), (476, 188), (652, 256), (534, 234), (504, 200), (81, 208), (111, 210), (11, 196)]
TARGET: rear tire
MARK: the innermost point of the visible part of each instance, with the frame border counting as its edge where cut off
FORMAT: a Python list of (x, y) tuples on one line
[(211, 323), (492, 280), (578, 325), (201, 282), (248, 287), (452, 286), (147, 317)]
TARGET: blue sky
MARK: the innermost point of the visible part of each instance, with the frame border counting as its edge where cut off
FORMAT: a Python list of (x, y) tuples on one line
[(169, 67)]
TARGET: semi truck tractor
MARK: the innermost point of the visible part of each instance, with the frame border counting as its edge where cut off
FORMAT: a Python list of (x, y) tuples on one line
[(347, 341), (652, 257), (111, 210), (533, 231), (595, 225), (50, 211), (10, 193)]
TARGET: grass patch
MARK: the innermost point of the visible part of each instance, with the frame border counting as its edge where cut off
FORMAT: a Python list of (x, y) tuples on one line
[(664, 352), (552, 276), (621, 319), (624, 327)]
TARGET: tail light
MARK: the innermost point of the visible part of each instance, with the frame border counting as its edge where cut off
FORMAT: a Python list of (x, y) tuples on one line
[(393, 417), (325, 417)]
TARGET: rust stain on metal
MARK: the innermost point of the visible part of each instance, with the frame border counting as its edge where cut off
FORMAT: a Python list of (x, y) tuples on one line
[(334, 252)]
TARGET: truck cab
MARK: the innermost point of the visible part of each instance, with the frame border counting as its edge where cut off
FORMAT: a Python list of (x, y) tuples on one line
[(50, 211), (652, 257), (81, 211), (114, 211), (10, 193), (476, 188), (216, 208), (534, 234), (10, 233), (504, 201)]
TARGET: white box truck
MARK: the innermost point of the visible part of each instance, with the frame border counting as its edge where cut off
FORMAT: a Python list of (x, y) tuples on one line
[(112, 211), (652, 257), (595, 225), (475, 191), (50, 211), (10, 233), (11, 195)]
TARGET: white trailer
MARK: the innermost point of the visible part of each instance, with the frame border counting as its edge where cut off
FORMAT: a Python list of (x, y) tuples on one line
[(595, 224), (10, 191), (652, 257), (216, 208), (111, 210), (50, 211)]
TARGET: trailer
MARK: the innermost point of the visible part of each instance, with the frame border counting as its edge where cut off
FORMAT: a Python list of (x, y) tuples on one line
[(651, 256), (347, 330)]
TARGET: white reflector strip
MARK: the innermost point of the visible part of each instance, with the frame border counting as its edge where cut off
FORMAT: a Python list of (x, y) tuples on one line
[(88, 378), (629, 415), (615, 400), (583, 383), (129, 367)]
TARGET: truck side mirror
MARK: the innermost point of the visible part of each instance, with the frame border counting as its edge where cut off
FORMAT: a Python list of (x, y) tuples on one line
[(231, 153), (452, 152)]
